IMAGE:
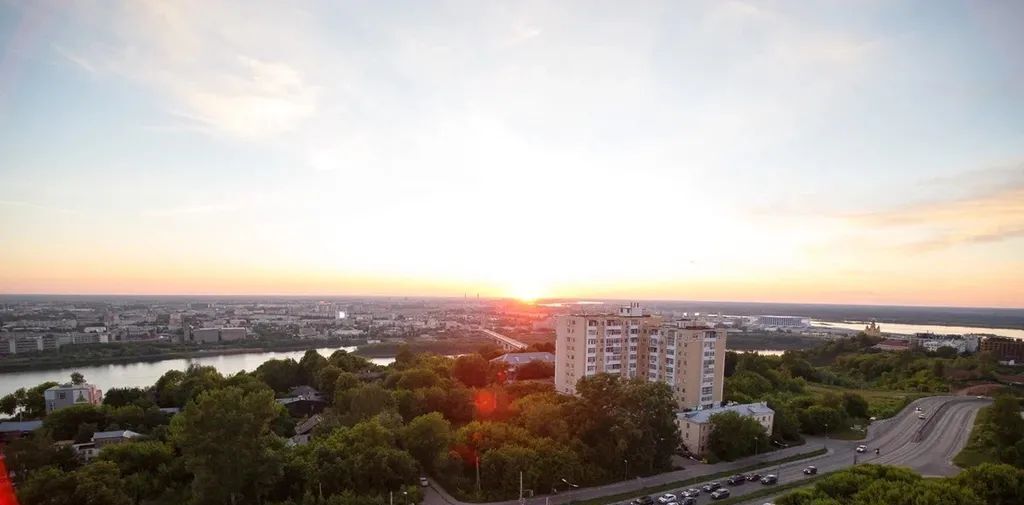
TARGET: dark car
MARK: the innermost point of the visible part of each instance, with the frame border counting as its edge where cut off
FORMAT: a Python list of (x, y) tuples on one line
[(688, 501), (707, 488), (770, 479), (753, 477), (811, 470), (736, 480), (643, 500), (720, 494)]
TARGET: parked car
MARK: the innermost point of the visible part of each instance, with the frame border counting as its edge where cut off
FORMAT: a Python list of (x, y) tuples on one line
[(424, 482), (688, 501), (920, 416), (720, 494), (691, 493), (736, 480), (770, 479), (862, 448), (643, 500), (811, 470), (707, 488), (667, 498), (753, 477)]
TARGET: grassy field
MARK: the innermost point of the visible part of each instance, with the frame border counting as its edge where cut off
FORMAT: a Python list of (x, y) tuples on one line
[(655, 490), (976, 452), (881, 404)]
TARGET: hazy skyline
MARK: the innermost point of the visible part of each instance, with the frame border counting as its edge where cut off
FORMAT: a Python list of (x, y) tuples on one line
[(840, 152)]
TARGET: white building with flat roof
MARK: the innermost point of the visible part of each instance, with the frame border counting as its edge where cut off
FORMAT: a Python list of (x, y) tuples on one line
[(695, 426)]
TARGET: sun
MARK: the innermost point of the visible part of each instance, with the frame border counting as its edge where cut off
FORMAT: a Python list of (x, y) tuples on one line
[(525, 292)]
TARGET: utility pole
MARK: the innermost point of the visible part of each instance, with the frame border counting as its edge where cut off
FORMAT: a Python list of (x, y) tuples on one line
[(521, 501), (478, 473)]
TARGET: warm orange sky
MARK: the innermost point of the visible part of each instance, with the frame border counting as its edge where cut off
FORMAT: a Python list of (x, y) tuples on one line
[(725, 150)]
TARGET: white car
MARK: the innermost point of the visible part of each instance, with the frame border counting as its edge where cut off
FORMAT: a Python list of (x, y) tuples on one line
[(920, 416), (862, 448), (691, 493), (424, 482), (667, 498)]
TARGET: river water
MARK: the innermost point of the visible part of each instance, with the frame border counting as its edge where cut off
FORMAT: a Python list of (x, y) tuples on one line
[(144, 374), (910, 329)]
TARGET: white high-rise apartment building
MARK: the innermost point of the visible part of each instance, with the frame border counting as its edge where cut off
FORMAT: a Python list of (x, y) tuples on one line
[(686, 355)]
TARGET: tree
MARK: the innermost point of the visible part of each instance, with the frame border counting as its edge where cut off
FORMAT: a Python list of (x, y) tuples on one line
[(310, 365), (365, 402), (8, 404), (77, 378), (995, 484), (1006, 420), (120, 397), (280, 374), (786, 424), (472, 370), (426, 437), (734, 436), (142, 465), (855, 405), (64, 424), (98, 483), (226, 441), (818, 419)]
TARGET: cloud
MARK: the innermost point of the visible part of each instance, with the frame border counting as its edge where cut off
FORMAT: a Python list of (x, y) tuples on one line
[(986, 218), (214, 70)]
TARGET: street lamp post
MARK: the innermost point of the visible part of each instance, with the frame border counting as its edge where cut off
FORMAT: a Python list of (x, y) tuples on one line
[(626, 461)]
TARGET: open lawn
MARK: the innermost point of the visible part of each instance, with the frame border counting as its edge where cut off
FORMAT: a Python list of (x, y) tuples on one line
[(881, 403)]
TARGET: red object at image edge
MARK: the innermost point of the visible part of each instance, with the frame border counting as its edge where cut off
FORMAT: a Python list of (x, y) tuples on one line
[(6, 490)]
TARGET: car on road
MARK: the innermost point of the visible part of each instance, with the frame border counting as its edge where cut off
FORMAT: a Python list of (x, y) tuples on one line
[(667, 498), (980, 397), (917, 409), (862, 448), (811, 470), (720, 494), (424, 482), (736, 480), (643, 500), (707, 488), (688, 501), (691, 493), (920, 416), (770, 479), (753, 477)]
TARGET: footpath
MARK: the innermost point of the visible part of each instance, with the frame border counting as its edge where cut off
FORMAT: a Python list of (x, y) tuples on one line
[(435, 495)]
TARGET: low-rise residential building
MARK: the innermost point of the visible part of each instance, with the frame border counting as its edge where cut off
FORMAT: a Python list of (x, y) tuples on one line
[(1004, 349), (892, 344), (695, 426), (66, 395)]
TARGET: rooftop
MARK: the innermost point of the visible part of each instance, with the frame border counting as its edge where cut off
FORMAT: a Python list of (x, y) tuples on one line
[(744, 409), (100, 435), (518, 358), (19, 426)]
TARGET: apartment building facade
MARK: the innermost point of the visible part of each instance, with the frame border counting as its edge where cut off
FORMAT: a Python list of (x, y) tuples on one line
[(686, 355), (66, 395)]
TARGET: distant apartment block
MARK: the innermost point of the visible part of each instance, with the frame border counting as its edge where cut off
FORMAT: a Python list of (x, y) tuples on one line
[(1004, 349), (687, 355), (210, 335), (66, 395), (695, 426)]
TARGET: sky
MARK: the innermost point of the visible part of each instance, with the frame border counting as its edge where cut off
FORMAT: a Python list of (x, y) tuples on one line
[(834, 152)]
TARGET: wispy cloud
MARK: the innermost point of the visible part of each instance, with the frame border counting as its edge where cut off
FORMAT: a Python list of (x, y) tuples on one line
[(985, 218), (36, 206)]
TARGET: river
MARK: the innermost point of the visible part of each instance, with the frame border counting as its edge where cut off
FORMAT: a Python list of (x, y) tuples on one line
[(910, 329), (144, 374)]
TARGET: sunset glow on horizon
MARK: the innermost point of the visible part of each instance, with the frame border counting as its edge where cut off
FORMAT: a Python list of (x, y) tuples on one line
[(776, 152)]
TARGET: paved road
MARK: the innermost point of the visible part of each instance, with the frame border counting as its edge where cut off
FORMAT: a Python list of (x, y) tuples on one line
[(926, 446)]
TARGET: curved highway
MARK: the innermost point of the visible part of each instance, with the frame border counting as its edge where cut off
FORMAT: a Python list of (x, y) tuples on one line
[(925, 446)]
